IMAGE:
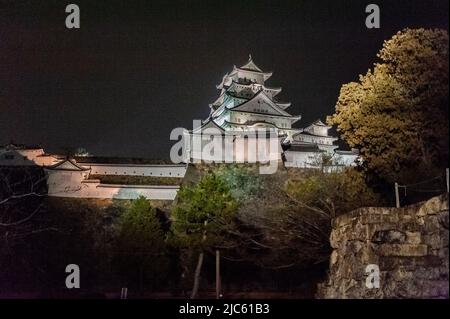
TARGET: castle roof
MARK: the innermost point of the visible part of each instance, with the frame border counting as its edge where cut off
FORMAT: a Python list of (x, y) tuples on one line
[(306, 147), (209, 123), (251, 85), (256, 123), (250, 65), (315, 135), (260, 100), (319, 122), (67, 165)]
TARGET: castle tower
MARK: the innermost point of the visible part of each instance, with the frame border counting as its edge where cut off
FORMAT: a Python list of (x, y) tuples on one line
[(245, 105), (245, 102)]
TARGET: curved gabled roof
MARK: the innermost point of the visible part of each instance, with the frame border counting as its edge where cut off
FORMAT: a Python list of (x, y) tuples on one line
[(256, 123), (261, 95), (315, 135), (319, 122), (284, 105), (250, 65), (276, 90), (67, 165), (266, 75), (209, 123)]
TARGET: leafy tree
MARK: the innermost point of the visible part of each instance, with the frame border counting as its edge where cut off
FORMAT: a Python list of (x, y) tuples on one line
[(141, 247), (201, 218), (397, 114), (292, 221), (243, 183), (333, 193)]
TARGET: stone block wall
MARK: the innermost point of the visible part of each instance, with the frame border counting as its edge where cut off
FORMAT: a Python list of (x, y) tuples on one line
[(409, 245)]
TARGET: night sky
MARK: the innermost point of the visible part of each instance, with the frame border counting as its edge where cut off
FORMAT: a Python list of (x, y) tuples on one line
[(137, 69)]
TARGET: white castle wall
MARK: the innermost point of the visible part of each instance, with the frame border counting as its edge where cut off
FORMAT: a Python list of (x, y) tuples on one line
[(249, 149), (301, 159), (306, 159), (73, 184), (136, 169), (314, 139), (346, 158)]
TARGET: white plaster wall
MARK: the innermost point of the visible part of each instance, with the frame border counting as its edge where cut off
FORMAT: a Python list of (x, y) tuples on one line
[(346, 159), (72, 184), (327, 148), (62, 183), (133, 192), (314, 139), (307, 159), (243, 150), (256, 77), (301, 159), (317, 130), (241, 117), (136, 170)]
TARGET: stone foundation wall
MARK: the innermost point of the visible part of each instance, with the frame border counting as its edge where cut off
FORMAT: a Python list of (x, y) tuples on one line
[(408, 245)]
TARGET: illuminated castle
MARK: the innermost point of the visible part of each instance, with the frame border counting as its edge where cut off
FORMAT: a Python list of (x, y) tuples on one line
[(246, 103)]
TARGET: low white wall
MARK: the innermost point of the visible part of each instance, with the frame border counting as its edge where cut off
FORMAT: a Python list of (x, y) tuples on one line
[(73, 184), (346, 159), (134, 191), (310, 159), (250, 150), (301, 159), (136, 169)]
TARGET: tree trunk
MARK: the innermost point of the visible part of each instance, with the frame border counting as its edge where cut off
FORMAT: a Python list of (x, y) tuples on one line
[(141, 275), (198, 270)]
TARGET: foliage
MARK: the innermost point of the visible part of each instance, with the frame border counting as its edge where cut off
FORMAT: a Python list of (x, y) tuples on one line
[(201, 220), (141, 248), (203, 213), (334, 193), (243, 183), (290, 225), (397, 114)]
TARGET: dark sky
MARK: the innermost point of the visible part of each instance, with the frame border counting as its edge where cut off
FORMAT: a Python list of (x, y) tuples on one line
[(137, 69)]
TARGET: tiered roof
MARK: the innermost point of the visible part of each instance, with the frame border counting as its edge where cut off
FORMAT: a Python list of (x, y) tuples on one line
[(250, 69), (250, 65), (244, 90), (310, 130)]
